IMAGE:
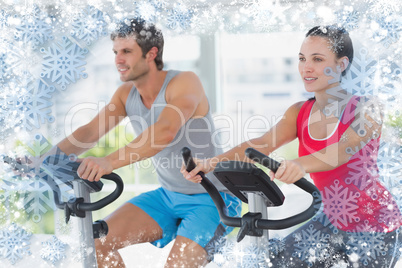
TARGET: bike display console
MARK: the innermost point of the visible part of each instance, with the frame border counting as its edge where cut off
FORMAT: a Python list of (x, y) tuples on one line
[(242, 178)]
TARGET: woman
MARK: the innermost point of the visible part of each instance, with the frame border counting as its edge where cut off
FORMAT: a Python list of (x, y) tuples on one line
[(338, 137)]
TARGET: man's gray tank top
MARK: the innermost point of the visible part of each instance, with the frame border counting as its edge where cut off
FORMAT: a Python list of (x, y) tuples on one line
[(197, 134)]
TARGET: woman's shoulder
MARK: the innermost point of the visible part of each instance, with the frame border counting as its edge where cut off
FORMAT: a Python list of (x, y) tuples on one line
[(294, 110), (296, 107)]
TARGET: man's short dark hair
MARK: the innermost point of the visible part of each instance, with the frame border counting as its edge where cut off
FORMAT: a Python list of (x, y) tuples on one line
[(146, 35)]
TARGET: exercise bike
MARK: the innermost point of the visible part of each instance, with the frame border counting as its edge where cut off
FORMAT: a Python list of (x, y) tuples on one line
[(80, 205), (253, 186)]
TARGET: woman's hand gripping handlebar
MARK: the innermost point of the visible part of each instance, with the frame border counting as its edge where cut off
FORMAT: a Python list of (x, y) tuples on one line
[(254, 221), (301, 183)]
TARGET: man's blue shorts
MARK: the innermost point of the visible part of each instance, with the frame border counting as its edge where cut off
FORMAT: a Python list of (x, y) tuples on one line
[(192, 216)]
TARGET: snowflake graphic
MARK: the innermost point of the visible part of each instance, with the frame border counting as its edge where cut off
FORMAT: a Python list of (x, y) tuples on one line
[(340, 204), (10, 185), (389, 163), (329, 256), (367, 245), (148, 10), (310, 245), (60, 167), (323, 219), (204, 20), (348, 19), (336, 45), (89, 25), (252, 257), (359, 79), (389, 216), (371, 108), (363, 166), (37, 198), (3, 136), (368, 208), (230, 254), (14, 243), (384, 7), (38, 147), (52, 178), (395, 248), (344, 137), (337, 239), (45, 182), (340, 264), (4, 16), (34, 105), (397, 194), (15, 60), (276, 246), (388, 79), (35, 28), (224, 251), (215, 246), (80, 252), (4, 69), (53, 250), (386, 30), (34, 192), (9, 113), (366, 227), (179, 17), (62, 227), (356, 109), (63, 62), (267, 14), (338, 100)]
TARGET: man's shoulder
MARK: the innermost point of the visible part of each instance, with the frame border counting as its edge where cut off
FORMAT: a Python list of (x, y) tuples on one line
[(124, 90), (183, 75), (184, 83), (184, 79)]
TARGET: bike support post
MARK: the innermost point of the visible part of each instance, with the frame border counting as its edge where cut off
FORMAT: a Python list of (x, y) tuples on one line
[(80, 207), (87, 243), (257, 204)]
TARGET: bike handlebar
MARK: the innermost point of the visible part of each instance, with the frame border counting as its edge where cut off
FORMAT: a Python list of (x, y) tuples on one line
[(301, 183), (15, 164), (97, 186), (259, 223), (108, 199), (211, 190)]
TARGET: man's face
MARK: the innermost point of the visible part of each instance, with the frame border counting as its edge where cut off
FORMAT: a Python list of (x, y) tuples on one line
[(129, 60)]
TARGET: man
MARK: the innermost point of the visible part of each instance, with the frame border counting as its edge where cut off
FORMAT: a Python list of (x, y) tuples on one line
[(168, 110)]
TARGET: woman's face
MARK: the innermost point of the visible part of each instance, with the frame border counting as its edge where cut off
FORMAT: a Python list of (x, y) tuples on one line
[(318, 66)]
